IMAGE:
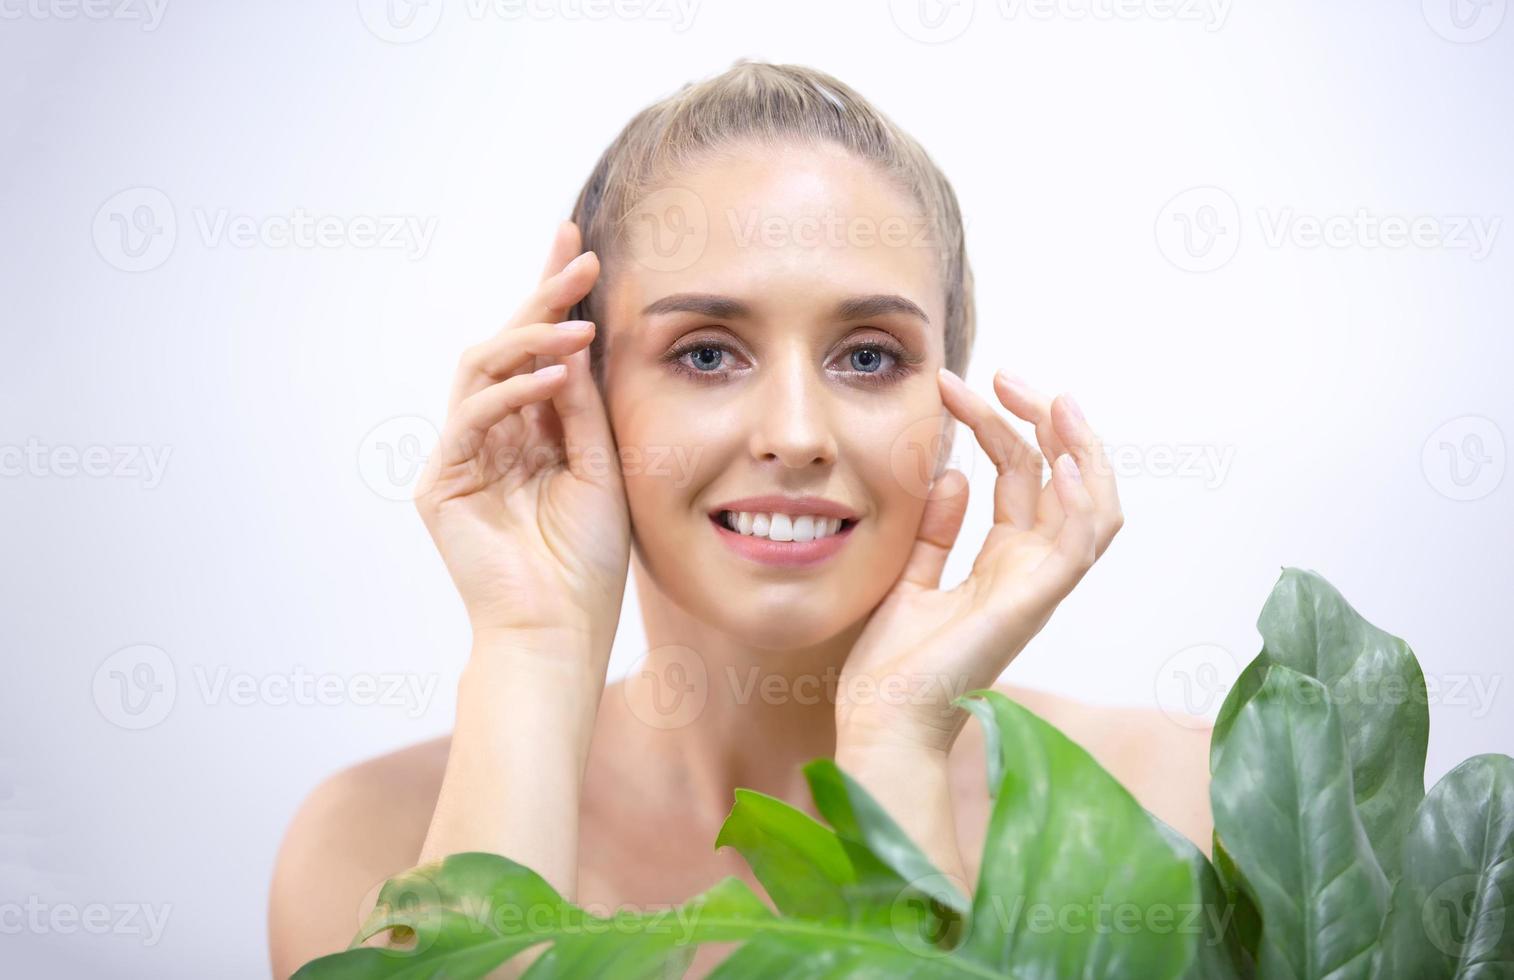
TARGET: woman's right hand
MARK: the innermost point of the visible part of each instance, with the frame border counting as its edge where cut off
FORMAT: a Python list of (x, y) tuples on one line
[(523, 494)]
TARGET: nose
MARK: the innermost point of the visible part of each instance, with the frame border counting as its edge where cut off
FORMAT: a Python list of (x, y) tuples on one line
[(791, 419)]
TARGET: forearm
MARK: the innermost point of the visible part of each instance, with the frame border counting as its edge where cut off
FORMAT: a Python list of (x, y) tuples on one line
[(515, 771), (912, 783)]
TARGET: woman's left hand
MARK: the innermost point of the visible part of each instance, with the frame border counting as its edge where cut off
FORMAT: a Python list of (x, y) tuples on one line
[(923, 646)]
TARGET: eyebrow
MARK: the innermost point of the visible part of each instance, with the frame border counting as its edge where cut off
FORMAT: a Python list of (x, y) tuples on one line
[(725, 308)]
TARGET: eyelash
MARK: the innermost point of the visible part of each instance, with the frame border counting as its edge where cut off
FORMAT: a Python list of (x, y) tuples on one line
[(903, 360)]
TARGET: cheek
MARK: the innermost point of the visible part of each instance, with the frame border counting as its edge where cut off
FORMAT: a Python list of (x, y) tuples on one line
[(665, 450), (895, 446)]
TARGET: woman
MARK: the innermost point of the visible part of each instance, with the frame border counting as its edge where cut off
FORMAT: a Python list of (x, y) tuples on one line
[(731, 391)]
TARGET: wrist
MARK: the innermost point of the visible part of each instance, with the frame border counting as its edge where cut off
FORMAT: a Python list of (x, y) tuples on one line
[(925, 734)]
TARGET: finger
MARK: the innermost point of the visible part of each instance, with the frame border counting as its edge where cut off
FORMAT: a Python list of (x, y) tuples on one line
[(1093, 463), (945, 506), (466, 428), (1018, 464), (1073, 552), (557, 293), (1032, 406), (566, 243), (586, 432), (514, 351)]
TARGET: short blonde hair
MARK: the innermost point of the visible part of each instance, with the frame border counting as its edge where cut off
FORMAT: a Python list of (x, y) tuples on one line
[(768, 103)]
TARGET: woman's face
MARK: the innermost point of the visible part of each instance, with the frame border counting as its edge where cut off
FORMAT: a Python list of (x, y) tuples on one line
[(773, 328)]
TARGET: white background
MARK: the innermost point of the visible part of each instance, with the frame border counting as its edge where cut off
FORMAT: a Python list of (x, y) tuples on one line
[(1319, 373)]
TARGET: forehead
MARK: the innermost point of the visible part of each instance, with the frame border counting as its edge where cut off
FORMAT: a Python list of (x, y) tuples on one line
[(789, 229)]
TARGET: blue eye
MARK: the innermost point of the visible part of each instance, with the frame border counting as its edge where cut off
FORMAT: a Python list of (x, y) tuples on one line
[(868, 360), (706, 358), (871, 362)]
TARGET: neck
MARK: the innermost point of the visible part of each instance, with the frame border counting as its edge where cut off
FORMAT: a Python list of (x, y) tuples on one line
[(726, 713)]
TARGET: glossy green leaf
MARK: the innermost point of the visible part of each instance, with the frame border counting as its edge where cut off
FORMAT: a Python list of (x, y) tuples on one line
[(1375, 685), (1076, 879), (1285, 811), (1453, 908), (882, 853), (471, 912), (799, 861)]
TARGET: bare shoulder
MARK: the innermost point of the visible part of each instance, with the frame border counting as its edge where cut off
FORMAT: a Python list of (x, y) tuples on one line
[(335, 854), (1163, 761)]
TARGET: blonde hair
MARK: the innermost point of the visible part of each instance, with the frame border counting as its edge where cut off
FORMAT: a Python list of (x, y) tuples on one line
[(768, 103)]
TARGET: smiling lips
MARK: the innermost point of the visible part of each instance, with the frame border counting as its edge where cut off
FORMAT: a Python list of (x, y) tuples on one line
[(784, 531)]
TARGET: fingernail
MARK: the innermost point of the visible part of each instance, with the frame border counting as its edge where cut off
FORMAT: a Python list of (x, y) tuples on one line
[(951, 376), (1072, 404), (550, 371), (573, 325), (1069, 467), (578, 262), (1013, 379)]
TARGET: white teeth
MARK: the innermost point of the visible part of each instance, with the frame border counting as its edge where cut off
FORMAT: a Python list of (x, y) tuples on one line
[(781, 527)]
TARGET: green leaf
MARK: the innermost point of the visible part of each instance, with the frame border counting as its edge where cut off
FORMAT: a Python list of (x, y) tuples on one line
[(1076, 879), (1248, 922), (881, 852), (1284, 809), (1453, 909), (471, 912), (1375, 685), (1219, 952), (800, 862)]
